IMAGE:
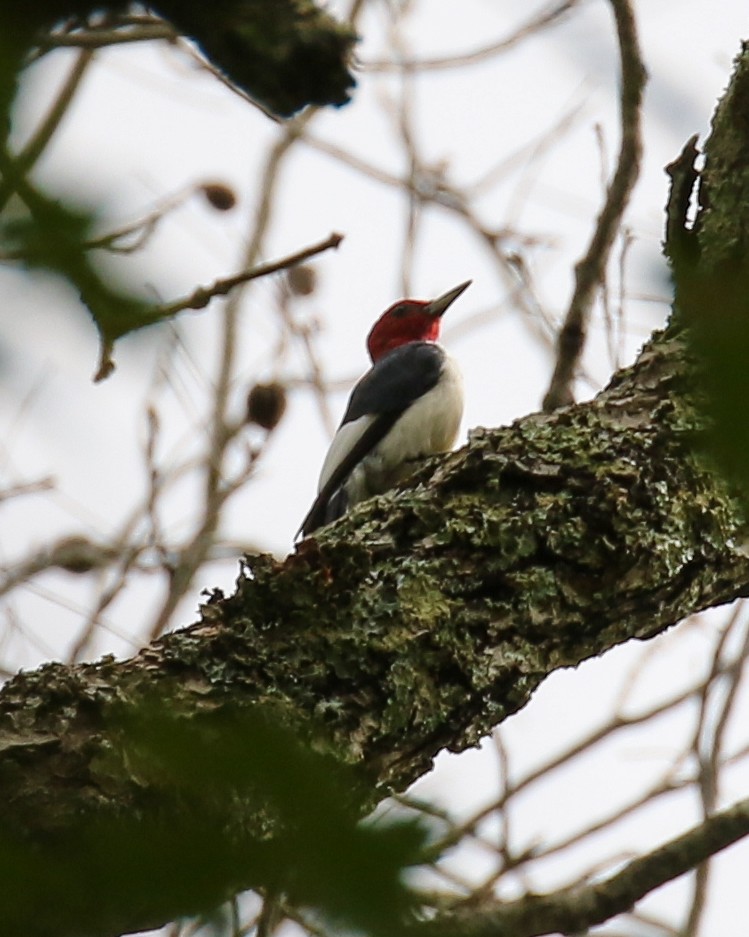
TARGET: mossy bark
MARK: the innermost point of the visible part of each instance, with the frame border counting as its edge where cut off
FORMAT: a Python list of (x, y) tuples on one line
[(416, 623), (420, 620)]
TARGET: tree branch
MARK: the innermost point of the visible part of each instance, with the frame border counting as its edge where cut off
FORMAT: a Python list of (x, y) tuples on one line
[(285, 53), (200, 297), (589, 271), (417, 622), (574, 910)]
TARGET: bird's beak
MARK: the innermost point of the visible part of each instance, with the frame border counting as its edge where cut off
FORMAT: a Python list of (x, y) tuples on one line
[(438, 306)]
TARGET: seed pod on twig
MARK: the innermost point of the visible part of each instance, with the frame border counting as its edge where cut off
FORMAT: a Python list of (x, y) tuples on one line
[(266, 404)]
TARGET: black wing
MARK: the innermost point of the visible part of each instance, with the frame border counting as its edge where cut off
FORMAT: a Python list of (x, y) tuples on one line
[(385, 391), (331, 501), (391, 385)]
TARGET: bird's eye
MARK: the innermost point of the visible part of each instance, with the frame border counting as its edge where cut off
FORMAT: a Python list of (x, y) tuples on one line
[(399, 310)]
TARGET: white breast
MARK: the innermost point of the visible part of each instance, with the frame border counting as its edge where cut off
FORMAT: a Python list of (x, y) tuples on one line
[(428, 426)]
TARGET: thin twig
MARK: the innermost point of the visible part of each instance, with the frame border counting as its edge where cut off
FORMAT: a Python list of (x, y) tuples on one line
[(200, 298), (708, 744), (589, 270), (44, 132), (216, 489), (305, 333), (91, 39), (27, 488), (143, 228), (570, 911), (534, 25)]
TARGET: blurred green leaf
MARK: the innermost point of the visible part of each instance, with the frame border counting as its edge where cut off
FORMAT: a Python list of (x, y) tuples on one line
[(54, 236), (222, 801), (318, 852), (715, 305)]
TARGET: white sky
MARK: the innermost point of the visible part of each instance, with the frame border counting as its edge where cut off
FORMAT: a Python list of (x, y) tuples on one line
[(147, 123)]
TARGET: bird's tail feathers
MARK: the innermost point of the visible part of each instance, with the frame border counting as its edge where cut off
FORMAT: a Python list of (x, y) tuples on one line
[(325, 510)]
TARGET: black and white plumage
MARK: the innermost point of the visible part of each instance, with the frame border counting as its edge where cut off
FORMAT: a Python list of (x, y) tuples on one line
[(407, 406)]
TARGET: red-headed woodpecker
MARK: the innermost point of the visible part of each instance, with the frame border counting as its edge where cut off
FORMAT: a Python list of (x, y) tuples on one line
[(407, 406)]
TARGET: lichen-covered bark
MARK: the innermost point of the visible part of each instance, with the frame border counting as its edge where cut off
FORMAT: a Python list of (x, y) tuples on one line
[(724, 190), (425, 618), (418, 621)]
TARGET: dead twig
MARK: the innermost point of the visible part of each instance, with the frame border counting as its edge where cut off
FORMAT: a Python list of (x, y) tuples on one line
[(576, 909), (44, 132), (200, 297), (535, 24), (590, 269)]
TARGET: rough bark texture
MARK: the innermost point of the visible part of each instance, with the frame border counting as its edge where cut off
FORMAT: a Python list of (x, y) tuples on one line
[(420, 620), (722, 224)]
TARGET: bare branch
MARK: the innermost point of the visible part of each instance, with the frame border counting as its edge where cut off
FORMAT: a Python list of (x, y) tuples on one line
[(535, 24), (200, 298), (590, 269), (683, 177), (97, 38), (574, 910), (216, 489), (26, 488), (44, 132)]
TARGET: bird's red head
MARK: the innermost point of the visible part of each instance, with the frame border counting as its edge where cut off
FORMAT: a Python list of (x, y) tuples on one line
[(410, 320)]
